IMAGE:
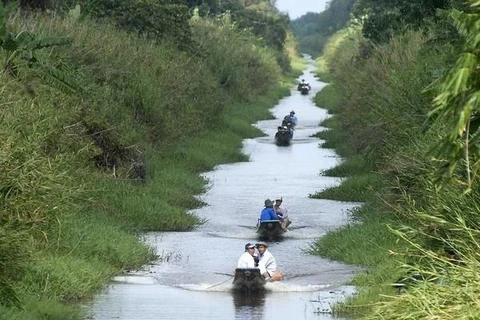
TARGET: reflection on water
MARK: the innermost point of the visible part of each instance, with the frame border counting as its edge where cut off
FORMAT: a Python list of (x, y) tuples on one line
[(248, 305), (248, 299), (195, 281)]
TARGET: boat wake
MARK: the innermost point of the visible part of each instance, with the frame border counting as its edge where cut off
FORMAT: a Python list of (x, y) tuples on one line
[(135, 279), (278, 286)]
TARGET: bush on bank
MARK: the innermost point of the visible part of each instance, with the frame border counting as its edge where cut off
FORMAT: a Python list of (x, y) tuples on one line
[(117, 151), (418, 232)]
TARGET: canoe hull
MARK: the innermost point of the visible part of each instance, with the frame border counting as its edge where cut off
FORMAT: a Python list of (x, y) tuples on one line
[(270, 230), (248, 280)]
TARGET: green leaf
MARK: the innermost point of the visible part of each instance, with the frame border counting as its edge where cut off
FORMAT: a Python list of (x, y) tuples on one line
[(24, 37), (9, 43), (59, 79), (75, 12), (36, 44)]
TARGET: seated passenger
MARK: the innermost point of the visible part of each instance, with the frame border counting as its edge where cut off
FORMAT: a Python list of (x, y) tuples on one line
[(282, 213), (247, 259), (303, 84), (293, 118), (267, 263), (268, 213)]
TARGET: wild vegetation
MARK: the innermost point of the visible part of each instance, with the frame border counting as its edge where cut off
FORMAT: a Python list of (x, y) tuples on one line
[(314, 29), (106, 125), (405, 99)]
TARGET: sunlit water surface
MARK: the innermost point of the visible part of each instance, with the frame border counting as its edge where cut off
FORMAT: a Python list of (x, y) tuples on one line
[(195, 280)]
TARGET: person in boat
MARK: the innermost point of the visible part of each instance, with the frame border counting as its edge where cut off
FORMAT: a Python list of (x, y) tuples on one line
[(286, 122), (282, 212), (302, 84), (290, 119), (293, 118), (268, 213), (282, 129), (247, 259), (267, 263)]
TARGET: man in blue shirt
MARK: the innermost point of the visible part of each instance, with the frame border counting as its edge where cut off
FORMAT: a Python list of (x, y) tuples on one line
[(293, 118), (290, 119), (268, 213)]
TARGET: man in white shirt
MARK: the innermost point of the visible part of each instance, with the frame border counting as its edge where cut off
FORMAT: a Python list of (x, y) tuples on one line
[(267, 263), (281, 212), (247, 260)]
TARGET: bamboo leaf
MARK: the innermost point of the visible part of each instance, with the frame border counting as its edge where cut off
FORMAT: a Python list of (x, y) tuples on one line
[(463, 119)]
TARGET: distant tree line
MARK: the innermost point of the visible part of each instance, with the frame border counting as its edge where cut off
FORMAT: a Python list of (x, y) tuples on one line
[(379, 19), (314, 29), (382, 19)]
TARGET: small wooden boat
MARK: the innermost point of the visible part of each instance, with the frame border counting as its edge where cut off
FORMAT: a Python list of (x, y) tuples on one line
[(283, 136), (270, 229), (248, 280)]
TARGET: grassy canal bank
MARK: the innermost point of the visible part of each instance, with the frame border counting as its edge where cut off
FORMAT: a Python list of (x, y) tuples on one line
[(101, 145), (402, 122)]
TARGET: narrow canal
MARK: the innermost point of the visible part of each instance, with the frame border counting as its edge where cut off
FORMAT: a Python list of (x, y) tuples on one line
[(195, 279)]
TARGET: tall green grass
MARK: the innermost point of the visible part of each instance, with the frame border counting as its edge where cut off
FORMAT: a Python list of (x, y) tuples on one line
[(84, 174), (357, 188), (407, 222)]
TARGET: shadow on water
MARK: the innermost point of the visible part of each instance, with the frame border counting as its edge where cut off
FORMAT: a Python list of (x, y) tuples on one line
[(194, 280), (248, 299), (248, 305)]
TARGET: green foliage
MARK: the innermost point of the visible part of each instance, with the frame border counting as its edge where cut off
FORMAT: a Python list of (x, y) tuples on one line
[(21, 49), (449, 223), (159, 20), (426, 223), (271, 28), (67, 159), (392, 109), (457, 102), (364, 244), (243, 70), (383, 19), (88, 236), (41, 310), (213, 7), (64, 278), (13, 256), (353, 165), (357, 188), (34, 188), (314, 29), (329, 98)]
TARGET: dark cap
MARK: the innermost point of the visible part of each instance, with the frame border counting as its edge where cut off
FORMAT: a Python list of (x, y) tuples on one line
[(268, 203), (249, 245)]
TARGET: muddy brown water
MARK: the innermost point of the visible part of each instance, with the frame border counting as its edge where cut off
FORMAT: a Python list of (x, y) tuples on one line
[(195, 280)]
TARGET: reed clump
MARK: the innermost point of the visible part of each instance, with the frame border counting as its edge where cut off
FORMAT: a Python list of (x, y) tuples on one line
[(417, 231), (109, 143)]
